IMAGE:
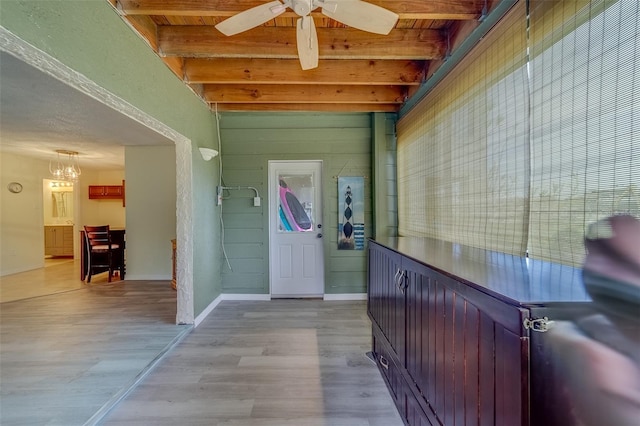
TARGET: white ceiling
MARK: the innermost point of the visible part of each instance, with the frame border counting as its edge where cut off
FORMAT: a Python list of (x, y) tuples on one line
[(39, 114)]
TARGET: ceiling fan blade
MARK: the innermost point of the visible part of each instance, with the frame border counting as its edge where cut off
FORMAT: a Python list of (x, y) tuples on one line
[(361, 15), (251, 18), (307, 39)]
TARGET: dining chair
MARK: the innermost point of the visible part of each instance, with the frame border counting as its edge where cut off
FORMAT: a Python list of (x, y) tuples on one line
[(100, 250)]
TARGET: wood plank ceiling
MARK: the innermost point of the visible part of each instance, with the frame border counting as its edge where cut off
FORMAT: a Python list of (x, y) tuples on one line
[(259, 68)]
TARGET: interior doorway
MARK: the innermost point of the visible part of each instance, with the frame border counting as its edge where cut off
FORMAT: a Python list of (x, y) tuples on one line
[(58, 211), (125, 117)]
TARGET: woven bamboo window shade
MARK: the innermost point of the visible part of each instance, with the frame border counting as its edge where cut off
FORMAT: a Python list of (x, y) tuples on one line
[(531, 138), (585, 121), (463, 151)]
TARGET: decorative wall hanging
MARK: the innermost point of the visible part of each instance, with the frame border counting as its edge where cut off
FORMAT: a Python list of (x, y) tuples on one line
[(351, 213)]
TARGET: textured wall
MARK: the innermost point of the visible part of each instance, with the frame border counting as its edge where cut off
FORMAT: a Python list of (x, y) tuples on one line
[(91, 39)]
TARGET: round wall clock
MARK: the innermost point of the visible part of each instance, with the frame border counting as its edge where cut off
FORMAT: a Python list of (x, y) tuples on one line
[(15, 187)]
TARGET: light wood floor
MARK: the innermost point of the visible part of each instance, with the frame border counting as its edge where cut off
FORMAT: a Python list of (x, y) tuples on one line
[(58, 275), (111, 354), (68, 356), (275, 363)]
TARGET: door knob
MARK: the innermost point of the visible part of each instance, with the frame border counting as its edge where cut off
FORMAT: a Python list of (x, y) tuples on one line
[(319, 235)]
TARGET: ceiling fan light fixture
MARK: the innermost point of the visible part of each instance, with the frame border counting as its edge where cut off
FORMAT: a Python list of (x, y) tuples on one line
[(251, 18), (329, 6), (307, 43), (302, 7), (362, 16), (353, 13), (278, 9)]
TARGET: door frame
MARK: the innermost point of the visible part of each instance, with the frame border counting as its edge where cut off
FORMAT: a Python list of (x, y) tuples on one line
[(272, 222), (42, 61)]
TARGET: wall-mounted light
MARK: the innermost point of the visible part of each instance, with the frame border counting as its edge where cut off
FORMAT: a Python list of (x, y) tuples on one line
[(55, 184), (208, 153)]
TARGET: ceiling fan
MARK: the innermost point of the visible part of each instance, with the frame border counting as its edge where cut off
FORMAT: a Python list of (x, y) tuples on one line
[(353, 13)]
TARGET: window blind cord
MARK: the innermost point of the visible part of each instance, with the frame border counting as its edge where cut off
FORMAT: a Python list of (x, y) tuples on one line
[(224, 251)]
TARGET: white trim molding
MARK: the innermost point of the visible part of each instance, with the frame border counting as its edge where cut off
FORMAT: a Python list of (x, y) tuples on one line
[(207, 311), (345, 296), (162, 278), (267, 298), (260, 297), (46, 63), (225, 296)]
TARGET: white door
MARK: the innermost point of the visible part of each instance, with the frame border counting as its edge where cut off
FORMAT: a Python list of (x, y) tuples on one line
[(295, 229)]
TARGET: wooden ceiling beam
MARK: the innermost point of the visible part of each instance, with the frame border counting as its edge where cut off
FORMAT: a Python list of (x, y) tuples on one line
[(299, 93), (288, 71), (272, 42), (307, 107), (406, 9), (146, 28)]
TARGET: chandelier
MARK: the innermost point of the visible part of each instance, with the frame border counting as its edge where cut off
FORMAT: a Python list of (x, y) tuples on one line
[(69, 171)]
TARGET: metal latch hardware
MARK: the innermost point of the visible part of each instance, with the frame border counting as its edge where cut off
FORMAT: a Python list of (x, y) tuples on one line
[(401, 280), (538, 324)]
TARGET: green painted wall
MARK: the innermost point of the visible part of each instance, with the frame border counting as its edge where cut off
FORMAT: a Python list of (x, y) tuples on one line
[(207, 231), (89, 37), (384, 163), (249, 140)]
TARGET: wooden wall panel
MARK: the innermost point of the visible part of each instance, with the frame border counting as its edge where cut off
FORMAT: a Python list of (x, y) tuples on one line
[(427, 286), (385, 203), (383, 301), (438, 397), (471, 355), (460, 342), (486, 371), (430, 379), (449, 360), (249, 141), (399, 334), (509, 379), (413, 324)]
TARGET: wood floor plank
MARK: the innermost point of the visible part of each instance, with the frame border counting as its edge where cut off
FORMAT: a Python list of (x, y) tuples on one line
[(292, 362), (63, 356), (282, 362)]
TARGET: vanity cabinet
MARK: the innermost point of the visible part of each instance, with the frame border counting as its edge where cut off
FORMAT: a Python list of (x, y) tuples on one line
[(58, 240), (450, 332)]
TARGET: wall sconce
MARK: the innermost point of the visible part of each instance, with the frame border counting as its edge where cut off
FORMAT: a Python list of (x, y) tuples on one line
[(208, 153), (56, 184)]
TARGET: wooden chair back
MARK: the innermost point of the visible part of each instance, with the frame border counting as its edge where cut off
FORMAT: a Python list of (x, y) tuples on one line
[(100, 251), (98, 237)]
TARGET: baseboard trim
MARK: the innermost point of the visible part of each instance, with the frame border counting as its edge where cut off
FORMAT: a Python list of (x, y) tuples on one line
[(129, 277), (345, 296), (227, 296), (207, 310), (266, 297), (231, 296)]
